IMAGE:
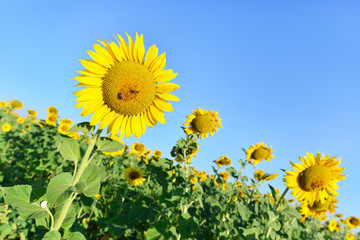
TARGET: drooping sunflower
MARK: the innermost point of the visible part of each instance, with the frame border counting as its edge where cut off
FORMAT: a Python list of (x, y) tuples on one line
[(259, 152), (259, 174), (315, 178), (134, 175), (318, 209), (202, 123), (125, 89), (353, 222), (223, 160)]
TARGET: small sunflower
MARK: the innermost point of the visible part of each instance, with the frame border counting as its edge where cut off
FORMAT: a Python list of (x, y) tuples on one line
[(318, 209), (63, 128), (20, 120), (6, 127), (332, 225), (259, 152), (3, 104), (137, 148), (315, 178), (224, 176), (353, 222), (52, 110), (349, 236), (126, 89), (259, 174), (51, 119), (134, 176), (157, 154), (32, 113), (202, 123), (270, 177), (224, 160), (15, 104)]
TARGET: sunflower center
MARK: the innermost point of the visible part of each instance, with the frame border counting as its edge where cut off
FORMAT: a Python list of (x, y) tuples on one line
[(204, 123), (134, 175), (260, 154), (314, 178), (139, 147), (318, 206), (354, 221), (128, 88)]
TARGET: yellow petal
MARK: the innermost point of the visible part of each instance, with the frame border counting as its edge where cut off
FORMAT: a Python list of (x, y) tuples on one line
[(136, 126), (128, 127), (90, 108), (163, 105), (151, 55), (99, 114), (139, 48), (131, 47), (151, 121), (119, 54), (165, 75), (117, 124), (107, 119), (99, 59), (166, 87), (123, 126), (168, 96), (93, 66), (124, 46), (158, 114), (89, 73), (89, 80), (104, 54)]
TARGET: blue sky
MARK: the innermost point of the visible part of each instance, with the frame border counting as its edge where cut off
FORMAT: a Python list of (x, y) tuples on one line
[(282, 72)]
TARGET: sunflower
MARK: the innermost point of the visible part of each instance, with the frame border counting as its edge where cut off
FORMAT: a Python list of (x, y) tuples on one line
[(6, 127), (125, 89), (20, 120), (134, 175), (51, 119), (315, 178), (63, 128), (52, 110), (32, 113), (270, 177), (224, 176), (157, 153), (15, 104), (332, 225), (224, 160), (318, 208), (353, 222), (258, 152), (3, 104), (259, 174), (350, 236), (137, 148), (202, 122)]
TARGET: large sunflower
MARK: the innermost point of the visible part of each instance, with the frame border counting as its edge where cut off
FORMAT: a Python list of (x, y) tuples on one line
[(315, 178), (259, 152), (125, 89), (202, 123)]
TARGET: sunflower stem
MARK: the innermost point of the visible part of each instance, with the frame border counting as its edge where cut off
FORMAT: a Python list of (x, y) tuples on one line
[(76, 177), (282, 196)]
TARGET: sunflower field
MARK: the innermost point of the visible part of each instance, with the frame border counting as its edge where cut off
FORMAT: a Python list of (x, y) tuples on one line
[(62, 180)]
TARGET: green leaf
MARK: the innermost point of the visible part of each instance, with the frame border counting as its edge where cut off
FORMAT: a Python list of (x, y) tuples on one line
[(187, 226), (5, 230), (25, 200), (156, 231), (84, 127), (80, 187), (91, 179), (76, 236), (108, 145), (70, 149), (232, 171), (52, 235), (59, 189), (273, 192)]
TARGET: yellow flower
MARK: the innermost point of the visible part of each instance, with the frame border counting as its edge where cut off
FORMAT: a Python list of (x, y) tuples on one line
[(202, 123), (349, 236), (193, 179), (20, 120), (194, 188), (315, 178), (224, 160), (15, 104), (339, 215), (27, 126), (51, 119), (134, 176), (6, 127), (66, 121), (271, 177), (97, 195), (3, 104), (137, 148), (40, 123), (157, 153), (238, 184), (111, 163), (259, 152), (32, 113), (63, 128), (126, 89), (318, 209), (353, 222), (73, 135), (323, 218), (147, 153), (224, 186), (172, 171), (224, 176), (52, 110), (259, 174), (332, 225)]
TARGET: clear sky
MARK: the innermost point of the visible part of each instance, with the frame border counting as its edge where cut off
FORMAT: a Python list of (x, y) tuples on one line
[(282, 72)]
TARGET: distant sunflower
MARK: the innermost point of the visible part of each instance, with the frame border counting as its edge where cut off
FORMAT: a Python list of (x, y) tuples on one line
[(20, 120), (223, 160), (51, 119), (332, 225), (315, 178), (134, 175), (353, 222), (6, 127), (125, 89), (3, 104), (259, 152), (157, 153), (15, 104), (202, 123), (318, 209), (259, 174), (52, 110), (32, 113), (137, 148)]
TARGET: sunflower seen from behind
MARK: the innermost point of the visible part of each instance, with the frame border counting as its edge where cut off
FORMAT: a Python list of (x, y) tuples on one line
[(126, 90), (202, 123), (258, 152), (315, 178)]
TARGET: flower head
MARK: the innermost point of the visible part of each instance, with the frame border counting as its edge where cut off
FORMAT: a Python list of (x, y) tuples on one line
[(134, 175), (332, 225), (202, 123), (259, 152), (52, 110), (3, 104), (51, 119), (315, 178), (6, 127), (15, 104), (126, 89), (224, 160), (32, 113), (353, 222), (318, 208)]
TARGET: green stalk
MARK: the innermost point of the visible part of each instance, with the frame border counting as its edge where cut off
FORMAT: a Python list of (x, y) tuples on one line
[(76, 178), (282, 196)]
